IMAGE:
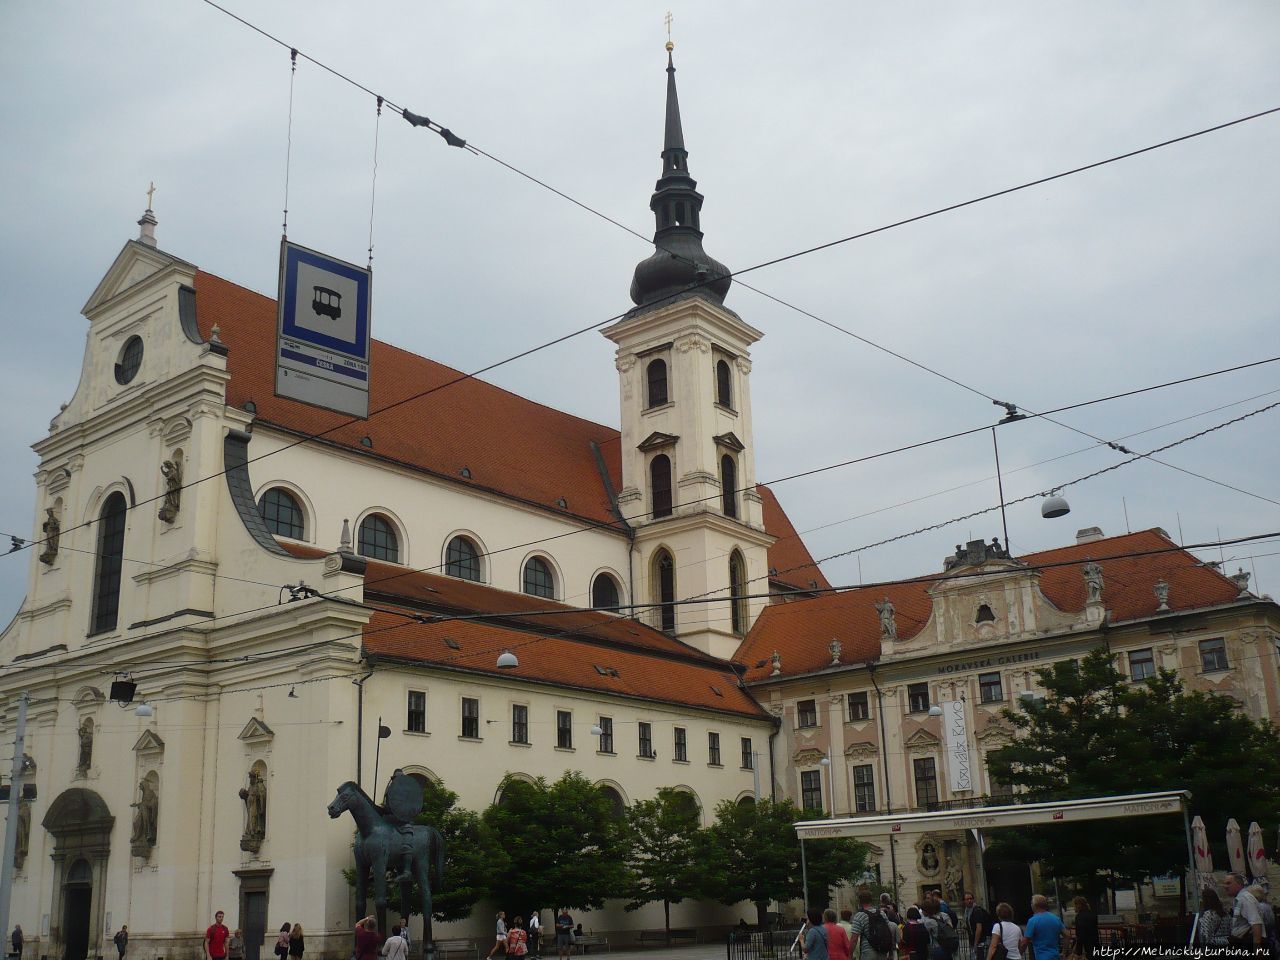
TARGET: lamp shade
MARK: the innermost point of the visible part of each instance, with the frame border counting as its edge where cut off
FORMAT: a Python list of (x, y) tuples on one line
[(1054, 506), (508, 660), (143, 709)]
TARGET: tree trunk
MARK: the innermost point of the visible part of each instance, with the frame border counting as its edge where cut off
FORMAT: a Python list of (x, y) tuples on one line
[(666, 912), (762, 913)]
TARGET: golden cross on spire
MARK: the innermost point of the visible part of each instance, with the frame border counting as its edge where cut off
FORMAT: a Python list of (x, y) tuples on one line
[(667, 19), (150, 190)]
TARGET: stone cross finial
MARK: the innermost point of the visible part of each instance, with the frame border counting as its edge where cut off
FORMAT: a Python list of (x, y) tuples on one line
[(834, 648), (667, 20), (151, 189), (1162, 594)]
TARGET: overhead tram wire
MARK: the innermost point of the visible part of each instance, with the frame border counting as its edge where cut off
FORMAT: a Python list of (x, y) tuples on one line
[(412, 571)]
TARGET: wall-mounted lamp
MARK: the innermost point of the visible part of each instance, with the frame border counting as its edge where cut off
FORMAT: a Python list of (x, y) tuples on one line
[(144, 709)]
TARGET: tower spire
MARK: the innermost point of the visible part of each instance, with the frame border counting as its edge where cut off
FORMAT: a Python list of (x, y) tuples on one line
[(679, 263)]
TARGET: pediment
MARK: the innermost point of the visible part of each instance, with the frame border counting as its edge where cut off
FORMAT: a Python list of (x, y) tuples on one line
[(656, 441), (135, 263), (921, 739), (255, 731), (994, 733), (861, 749), (730, 442), (149, 743), (808, 757)]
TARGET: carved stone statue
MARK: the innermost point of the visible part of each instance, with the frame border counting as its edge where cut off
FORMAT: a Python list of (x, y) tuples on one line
[(171, 470), (145, 819), (888, 625), (23, 845), (777, 663), (953, 881), (52, 528), (255, 807), (86, 747), (1162, 594), (929, 862), (1092, 582), (834, 648)]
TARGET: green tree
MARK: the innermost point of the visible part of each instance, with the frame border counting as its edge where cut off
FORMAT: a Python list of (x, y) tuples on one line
[(471, 858), (1098, 734), (564, 844), (665, 852), (754, 854)]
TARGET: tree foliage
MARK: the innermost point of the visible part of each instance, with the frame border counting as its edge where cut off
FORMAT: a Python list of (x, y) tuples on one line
[(1099, 734), (563, 842), (754, 854), (666, 846)]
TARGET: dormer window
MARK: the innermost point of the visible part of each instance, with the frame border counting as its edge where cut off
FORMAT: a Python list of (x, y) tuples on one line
[(656, 376), (985, 615)]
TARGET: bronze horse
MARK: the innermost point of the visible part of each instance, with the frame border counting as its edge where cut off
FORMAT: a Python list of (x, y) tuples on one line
[(411, 850)]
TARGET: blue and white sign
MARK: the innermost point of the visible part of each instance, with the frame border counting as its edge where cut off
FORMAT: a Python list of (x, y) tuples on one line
[(322, 332)]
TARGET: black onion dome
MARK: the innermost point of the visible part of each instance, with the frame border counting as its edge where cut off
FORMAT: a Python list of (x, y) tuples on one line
[(679, 263)]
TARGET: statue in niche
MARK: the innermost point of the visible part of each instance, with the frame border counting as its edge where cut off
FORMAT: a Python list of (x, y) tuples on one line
[(171, 470), (255, 808), (145, 818), (953, 881), (23, 845), (888, 625), (52, 528), (929, 862), (86, 747), (1092, 582)]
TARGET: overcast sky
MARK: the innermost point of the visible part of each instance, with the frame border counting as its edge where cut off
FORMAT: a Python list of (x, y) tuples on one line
[(804, 123)]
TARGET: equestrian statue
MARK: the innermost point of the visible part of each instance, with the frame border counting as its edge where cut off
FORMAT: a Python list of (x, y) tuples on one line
[(389, 840)]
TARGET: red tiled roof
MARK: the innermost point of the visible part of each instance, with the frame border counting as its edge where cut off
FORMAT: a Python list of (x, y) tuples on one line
[(788, 554), (801, 630), (511, 445)]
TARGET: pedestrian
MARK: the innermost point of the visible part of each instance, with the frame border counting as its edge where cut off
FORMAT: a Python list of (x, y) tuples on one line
[(121, 940), (872, 934), (977, 925), (1086, 925), (282, 941), (235, 945), (564, 933), (368, 940), (1268, 915), (915, 936), (396, 947), (938, 928), (1006, 936), (815, 941), (839, 945), (846, 924), (517, 939), (1215, 922), (534, 932), (215, 938), (500, 935), (295, 942), (404, 932), (1246, 918), (16, 940), (1044, 930)]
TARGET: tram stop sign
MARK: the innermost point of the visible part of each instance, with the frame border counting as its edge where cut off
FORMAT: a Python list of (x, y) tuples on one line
[(322, 331)]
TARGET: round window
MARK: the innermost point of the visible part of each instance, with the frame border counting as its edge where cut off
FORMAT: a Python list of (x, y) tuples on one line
[(130, 360)]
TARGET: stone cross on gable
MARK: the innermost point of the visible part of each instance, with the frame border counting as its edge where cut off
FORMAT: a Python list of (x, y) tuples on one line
[(667, 20), (151, 189)]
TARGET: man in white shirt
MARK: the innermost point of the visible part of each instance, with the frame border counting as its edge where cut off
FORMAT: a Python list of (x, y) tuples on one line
[(395, 948), (1246, 919)]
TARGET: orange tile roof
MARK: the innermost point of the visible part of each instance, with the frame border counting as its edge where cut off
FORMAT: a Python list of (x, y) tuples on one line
[(788, 554), (801, 630), (512, 446)]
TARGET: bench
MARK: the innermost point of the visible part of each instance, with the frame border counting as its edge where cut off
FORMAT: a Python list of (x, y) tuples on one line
[(687, 934), (449, 949), (590, 940)]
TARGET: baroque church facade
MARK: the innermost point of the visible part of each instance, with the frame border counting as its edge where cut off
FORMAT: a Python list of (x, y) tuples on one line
[(501, 592)]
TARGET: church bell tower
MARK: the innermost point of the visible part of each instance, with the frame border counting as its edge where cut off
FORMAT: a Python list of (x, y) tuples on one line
[(688, 461)]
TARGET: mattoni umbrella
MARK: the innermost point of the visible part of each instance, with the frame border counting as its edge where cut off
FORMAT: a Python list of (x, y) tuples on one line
[(1204, 856), (1235, 848), (1257, 856)]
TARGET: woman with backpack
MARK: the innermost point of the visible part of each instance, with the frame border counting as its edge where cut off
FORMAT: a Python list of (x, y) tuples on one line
[(1005, 935), (915, 937)]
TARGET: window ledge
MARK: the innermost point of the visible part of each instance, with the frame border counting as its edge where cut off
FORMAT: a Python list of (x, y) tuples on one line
[(416, 733), (472, 739), (519, 743), (660, 406), (991, 703), (646, 756), (748, 769), (1226, 669), (725, 408), (850, 723), (685, 762), (718, 766), (606, 753), (565, 750)]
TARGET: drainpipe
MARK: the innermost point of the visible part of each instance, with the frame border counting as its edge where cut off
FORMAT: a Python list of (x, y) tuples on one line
[(359, 682), (773, 789), (884, 758)]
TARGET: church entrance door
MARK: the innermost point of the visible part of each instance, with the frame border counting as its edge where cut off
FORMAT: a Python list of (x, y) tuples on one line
[(255, 924), (78, 901)]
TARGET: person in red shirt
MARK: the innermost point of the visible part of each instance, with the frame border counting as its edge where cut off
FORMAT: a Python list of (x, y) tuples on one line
[(368, 940), (837, 939), (215, 938)]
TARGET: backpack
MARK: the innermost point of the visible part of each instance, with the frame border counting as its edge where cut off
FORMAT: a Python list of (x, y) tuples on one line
[(948, 939), (878, 934)]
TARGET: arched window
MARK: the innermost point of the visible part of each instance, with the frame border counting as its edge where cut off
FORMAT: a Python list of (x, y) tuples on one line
[(538, 579), (106, 578), (664, 594), (660, 485), (283, 514), (617, 805), (462, 559), (378, 539), (604, 592), (729, 486), (657, 376), (724, 384), (737, 589)]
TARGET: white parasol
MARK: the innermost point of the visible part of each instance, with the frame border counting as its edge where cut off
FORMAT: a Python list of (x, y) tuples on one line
[(1204, 856), (1257, 856), (1235, 848)]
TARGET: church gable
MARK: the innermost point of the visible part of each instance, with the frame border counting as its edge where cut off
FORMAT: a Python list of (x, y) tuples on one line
[(134, 264)]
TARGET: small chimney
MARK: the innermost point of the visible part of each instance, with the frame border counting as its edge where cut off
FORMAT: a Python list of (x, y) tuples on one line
[(148, 223), (1089, 534)]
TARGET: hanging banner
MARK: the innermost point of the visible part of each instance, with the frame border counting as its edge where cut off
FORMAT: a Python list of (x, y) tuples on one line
[(955, 729), (322, 331)]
